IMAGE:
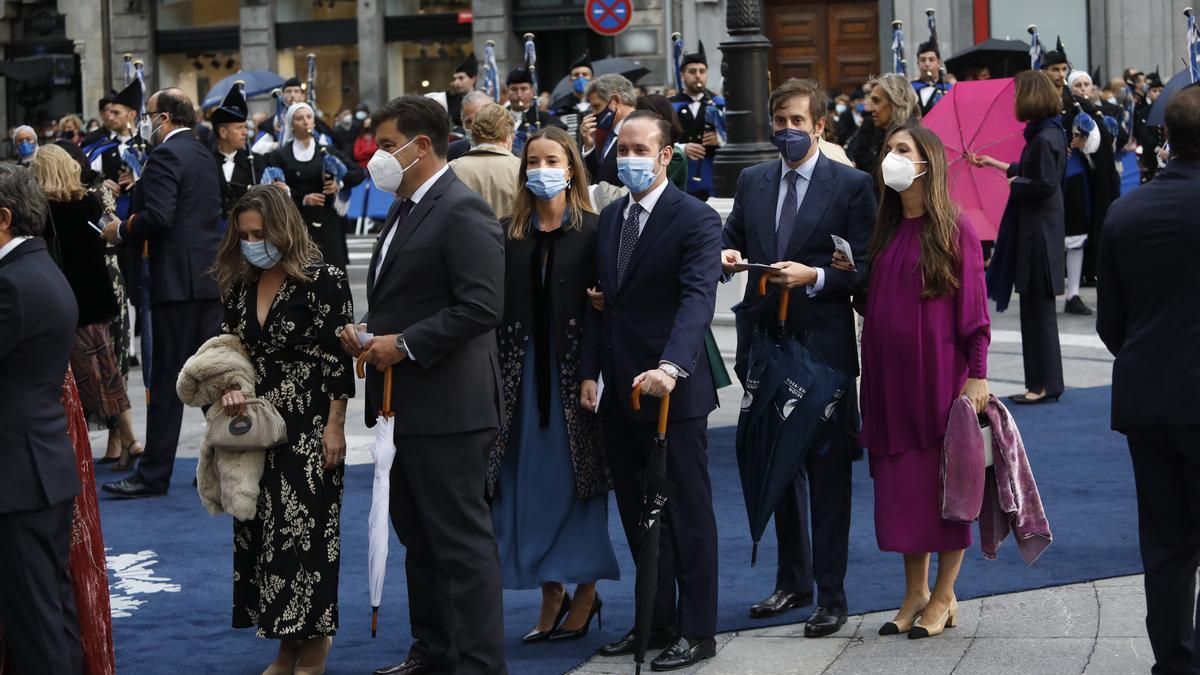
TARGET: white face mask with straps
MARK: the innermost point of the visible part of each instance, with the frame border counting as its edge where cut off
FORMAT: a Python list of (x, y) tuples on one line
[(386, 170), (899, 172)]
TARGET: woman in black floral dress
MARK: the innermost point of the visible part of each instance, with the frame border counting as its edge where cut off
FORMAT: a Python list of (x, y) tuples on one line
[(287, 307)]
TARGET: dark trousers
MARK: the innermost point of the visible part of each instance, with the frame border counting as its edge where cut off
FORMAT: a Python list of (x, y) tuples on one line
[(688, 544), (820, 493), (1040, 348), (37, 602), (1166, 470), (179, 330), (441, 515)]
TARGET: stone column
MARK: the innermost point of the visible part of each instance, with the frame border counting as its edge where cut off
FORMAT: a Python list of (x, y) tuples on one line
[(492, 20), (256, 35), (372, 53), (131, 30), (84, 27), (744, 71)]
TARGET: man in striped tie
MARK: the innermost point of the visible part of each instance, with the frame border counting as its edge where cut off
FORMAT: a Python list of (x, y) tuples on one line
[(659, 262), (784, 213)]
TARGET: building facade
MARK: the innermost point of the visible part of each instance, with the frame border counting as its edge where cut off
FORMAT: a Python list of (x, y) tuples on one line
[(62, 55)]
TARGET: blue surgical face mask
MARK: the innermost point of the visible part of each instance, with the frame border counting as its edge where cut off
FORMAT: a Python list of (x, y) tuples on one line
[(261, 254), (860, 108), (26, 149), (605, 119), (579, 84), (545, 184), (637, 173), (793, 144)]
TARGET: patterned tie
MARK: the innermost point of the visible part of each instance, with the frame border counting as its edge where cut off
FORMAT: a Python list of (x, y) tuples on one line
[(629, 237), (787, 217)]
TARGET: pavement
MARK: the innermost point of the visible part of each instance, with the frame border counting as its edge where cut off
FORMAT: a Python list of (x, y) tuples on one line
[(1094, 628)]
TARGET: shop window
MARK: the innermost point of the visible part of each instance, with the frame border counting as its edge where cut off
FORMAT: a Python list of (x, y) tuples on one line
[(337, 74), (429, 66), (175, 14), (195, 74), (409, 7), (314, 10)]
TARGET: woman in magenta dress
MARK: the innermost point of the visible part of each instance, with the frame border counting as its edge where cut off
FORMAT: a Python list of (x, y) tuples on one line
[(924, 344)]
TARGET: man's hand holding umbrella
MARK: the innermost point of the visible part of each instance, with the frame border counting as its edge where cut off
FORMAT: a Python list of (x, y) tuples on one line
[(380, 351)]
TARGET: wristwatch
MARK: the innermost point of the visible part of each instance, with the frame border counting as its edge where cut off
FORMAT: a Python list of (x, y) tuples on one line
[(670, 369), (402, 345)]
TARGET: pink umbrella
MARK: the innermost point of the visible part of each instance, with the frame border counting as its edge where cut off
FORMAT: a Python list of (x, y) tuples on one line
[(978, 117)]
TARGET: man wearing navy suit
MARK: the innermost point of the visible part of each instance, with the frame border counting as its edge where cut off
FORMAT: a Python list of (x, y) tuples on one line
[(38, 480), (659, 259), (176, 214), (612, 98), (1147, 317), (786, 210)]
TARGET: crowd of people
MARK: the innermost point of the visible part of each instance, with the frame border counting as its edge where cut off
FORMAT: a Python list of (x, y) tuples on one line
[(534, 270)]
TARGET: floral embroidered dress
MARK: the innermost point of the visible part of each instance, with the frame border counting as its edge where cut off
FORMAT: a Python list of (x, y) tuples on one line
[(285, 560)]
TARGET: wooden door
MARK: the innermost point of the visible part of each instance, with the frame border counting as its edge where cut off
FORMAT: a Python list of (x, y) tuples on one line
[(834, 41)]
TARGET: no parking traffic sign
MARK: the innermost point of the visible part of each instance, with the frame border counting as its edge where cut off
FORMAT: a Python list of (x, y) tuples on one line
[(608, 17)]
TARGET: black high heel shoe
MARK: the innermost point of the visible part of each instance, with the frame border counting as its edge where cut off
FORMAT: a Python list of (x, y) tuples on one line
[(536, 635), (1022, 399), (559, 634)]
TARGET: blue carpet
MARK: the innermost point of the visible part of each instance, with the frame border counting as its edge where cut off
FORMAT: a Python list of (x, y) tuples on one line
[(175, 561)]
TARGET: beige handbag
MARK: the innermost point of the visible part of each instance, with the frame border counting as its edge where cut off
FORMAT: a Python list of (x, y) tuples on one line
[(260, 428)]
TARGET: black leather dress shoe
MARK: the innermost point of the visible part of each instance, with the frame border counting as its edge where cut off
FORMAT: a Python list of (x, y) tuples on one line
[(1076, 306), (824, 622), (128, 488), (411, 666), (684, 653), (658, 640), (778, 603)]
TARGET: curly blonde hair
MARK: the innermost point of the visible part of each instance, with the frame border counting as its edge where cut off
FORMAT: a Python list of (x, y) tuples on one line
[(58, 174), (899, 93), (491, 124)]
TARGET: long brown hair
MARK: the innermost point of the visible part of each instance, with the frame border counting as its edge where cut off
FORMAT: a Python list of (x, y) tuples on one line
[(940, 256), (282, 226), (578, 200)]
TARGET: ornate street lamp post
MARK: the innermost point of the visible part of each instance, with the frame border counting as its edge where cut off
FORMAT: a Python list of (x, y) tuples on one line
[(746, 88)]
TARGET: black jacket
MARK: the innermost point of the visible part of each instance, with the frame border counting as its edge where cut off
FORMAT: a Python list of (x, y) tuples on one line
[(81, 253), (442, 285), (1036, 195), (38, 313), (1147, 301), (603, 168), (177, 209), (246, 174)]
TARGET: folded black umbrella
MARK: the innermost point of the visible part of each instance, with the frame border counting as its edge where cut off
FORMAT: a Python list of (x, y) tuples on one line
[(654, 501), (1003, 58), (791, 395)]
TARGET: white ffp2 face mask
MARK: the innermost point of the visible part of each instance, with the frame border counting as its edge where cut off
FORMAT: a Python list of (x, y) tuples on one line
[(899, 172), (386, 170)]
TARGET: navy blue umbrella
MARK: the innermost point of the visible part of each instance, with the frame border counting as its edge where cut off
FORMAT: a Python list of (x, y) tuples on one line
[(257, 82), (146, 325), (791, 394), (1158, 111), (656, 488)]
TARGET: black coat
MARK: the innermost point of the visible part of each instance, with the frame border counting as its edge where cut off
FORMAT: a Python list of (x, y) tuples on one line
[(1103, 184), (246, 174), (81, 252), (603, 168), (1036, 197), (37, 310), (864, 145), (177, 209), (324, 223), (442, 285), (1147, 303), (573, 272)]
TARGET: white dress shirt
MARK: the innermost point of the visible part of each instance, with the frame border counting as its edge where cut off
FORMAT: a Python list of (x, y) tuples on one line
[(647, 203), (415, 199), (12, 244), (98, 163), (228, 165), (805, 172)]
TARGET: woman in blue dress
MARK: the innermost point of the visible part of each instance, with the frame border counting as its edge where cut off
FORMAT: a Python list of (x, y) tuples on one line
[(547, 475)]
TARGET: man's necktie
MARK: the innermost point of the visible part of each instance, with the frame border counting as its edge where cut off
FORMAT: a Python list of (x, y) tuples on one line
[(629, 237), (787, 217)]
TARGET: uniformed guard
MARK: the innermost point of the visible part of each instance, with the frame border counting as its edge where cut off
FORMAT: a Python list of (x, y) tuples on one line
[(239, 168), (702, 115)]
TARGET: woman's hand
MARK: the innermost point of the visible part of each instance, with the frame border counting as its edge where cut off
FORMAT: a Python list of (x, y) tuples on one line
[(977, 392), (840, 262), (333, 441), (597, 297), (791, 274), (233, 402), (589, 397), (314, 199)]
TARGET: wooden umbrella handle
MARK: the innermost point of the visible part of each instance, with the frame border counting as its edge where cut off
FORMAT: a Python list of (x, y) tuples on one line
[(664, 408), (785, 297), (360, 368)]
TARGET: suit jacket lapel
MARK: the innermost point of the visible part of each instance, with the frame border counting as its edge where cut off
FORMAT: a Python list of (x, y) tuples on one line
[(657, 223), (414, 218), (387, 227), (812, 209), (767, 199), (612, 245)]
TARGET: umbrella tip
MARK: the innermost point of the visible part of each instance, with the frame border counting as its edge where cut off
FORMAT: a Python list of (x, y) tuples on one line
[(754, 555)]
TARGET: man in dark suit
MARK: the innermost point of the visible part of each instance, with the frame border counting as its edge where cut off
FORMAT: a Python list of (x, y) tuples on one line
[(702, 116), (612, 98), (785, 210), (176, 221), (38, 479), (238, 168), (658, 255), (1148, 318), (435, 292)]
